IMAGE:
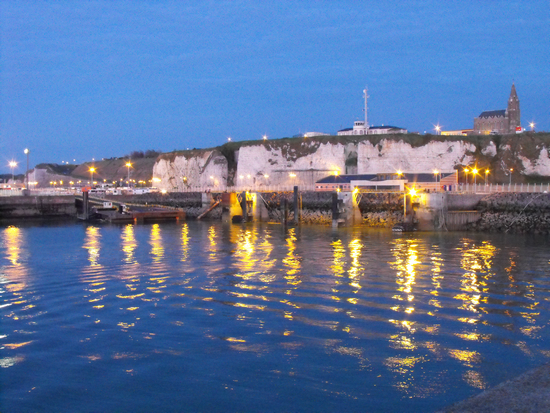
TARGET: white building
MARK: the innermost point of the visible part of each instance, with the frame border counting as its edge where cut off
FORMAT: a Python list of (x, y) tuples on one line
[(362, 127)]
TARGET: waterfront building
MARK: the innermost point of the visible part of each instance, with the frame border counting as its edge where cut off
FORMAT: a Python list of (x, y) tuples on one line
[(389, 182), (500, 121)]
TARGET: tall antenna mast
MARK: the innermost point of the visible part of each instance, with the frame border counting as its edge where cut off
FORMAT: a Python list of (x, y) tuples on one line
[(366, 108)]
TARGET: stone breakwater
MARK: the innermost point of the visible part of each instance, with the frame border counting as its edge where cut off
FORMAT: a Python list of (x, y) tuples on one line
[(190, 202), (377, 210), (381, 210), (514, 212)]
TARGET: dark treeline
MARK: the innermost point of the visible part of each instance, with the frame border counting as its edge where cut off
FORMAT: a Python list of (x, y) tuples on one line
[(150, 153)]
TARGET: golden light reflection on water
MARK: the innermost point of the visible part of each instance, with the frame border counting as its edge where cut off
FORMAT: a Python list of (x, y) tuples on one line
[(213, 242), (129, 244), (244, 252), (476, 261), (405, 252), (357, 269), (12, 239), (93, 245), (292, 262), (157, 247), (16, 273), (184, 242)]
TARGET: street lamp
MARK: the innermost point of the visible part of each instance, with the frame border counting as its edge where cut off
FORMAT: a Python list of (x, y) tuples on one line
[(436, 172), (474, 172), (26, 151), (466, 170), (532, 126), (511, 170), (13, 164), (486, 174), (264, 137), (437, 129), (129, 165), (92, 170)]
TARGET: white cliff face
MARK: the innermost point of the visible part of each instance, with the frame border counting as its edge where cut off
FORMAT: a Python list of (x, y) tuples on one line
[(540, 166), (203, 169), (389, 156), (286, 163), (490, 150), (304, 164)]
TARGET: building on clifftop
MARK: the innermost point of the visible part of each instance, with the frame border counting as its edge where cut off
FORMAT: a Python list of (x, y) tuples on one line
[(361, 127), (502, 121)]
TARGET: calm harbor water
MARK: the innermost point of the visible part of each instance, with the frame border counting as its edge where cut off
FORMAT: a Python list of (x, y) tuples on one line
[(198, 316)]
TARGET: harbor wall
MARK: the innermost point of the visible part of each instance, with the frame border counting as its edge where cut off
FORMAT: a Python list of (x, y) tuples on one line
[(15, 207)]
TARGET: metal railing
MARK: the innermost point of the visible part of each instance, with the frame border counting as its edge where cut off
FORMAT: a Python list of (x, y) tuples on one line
[(460, 188), (494, 188)]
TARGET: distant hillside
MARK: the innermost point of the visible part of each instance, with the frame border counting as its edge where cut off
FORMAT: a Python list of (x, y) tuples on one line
[(56, 169), (116, 169)]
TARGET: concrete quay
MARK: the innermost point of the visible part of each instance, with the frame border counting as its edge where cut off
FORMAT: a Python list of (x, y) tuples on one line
[(527, 393), (15, 207)]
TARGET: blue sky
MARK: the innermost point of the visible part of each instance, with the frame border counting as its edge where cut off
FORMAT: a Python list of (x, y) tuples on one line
[(99, 79)]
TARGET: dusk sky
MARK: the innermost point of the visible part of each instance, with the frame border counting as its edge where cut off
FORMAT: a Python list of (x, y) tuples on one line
[(100, 79)]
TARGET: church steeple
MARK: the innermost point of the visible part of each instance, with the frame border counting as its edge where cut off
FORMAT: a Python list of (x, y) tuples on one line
[(514, 118)]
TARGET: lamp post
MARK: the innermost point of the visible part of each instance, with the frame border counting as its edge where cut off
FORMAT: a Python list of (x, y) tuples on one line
[(26, 151), (92, 170), (129, 165), (13, 164), (436, 172), (532, 126), (474, 172), (486, 174), (511, 170)]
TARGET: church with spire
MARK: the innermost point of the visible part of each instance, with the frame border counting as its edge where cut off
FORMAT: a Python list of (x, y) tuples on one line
[(499, 122)]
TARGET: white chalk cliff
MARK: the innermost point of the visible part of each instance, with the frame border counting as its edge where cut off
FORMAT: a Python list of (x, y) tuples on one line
[(288, 162)]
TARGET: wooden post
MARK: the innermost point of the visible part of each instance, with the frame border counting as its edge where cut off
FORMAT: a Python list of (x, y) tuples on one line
[(335, 212), (244, 206), (296, 207), (85, 202)]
